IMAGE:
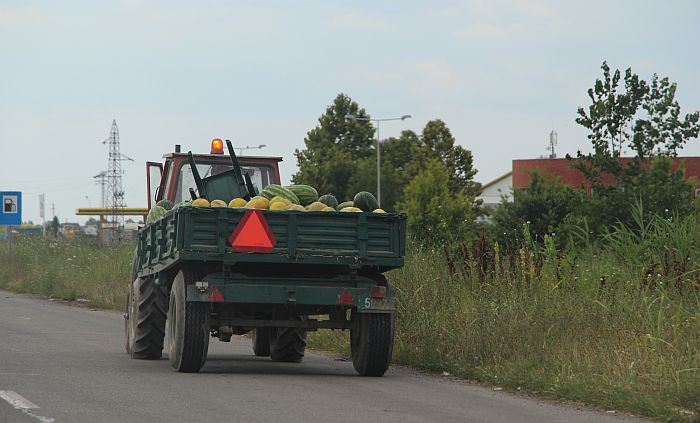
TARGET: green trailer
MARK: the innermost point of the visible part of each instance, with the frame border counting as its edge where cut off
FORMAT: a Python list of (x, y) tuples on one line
[(202, 272)]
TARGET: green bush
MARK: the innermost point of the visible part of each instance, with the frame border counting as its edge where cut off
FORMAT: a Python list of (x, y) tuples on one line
[(435, 214)]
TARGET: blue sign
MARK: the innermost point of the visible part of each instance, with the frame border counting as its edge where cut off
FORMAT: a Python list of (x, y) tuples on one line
[(10, 208)]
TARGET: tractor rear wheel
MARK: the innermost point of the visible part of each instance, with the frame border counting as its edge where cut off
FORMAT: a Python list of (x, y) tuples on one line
[(144, 327), (261, 341), (287, 344), (128, 329), (371, 343), (188, 327)]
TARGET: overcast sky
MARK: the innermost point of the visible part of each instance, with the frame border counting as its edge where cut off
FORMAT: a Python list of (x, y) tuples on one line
[(501, 74)]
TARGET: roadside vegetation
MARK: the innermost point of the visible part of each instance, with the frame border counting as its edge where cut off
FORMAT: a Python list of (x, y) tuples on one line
[(79, 269)]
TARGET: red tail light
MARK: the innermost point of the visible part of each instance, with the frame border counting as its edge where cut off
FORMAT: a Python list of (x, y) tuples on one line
[(377, 291)]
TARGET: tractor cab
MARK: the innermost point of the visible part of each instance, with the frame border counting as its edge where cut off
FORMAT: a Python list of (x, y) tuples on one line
[(172, 179)]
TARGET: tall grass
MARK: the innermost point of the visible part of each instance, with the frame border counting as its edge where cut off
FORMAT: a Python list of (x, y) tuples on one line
[(580, 328), (614, 324), (67, 270)]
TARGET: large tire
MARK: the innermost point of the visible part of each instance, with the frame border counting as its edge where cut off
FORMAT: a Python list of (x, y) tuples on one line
[(261, 341), (371, 343), (188, 328), (145, 320), (288, 344), (128, 329)]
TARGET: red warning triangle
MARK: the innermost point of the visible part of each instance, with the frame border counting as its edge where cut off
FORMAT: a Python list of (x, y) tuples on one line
[(216, 296), (253, 234), (345, 298)]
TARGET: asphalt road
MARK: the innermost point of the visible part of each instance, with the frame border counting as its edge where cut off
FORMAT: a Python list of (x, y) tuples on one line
[(67, 364)]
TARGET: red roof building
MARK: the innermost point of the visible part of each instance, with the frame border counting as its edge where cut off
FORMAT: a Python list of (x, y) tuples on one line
[(561, 169)]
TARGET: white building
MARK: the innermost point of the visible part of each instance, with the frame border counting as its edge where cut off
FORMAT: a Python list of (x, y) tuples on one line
[(493, 192)]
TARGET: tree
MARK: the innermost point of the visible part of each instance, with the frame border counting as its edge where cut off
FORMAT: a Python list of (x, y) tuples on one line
[(54, 226), (399, 167), (334, 147), (438, 143), (545, 206), (365, 179), (661, 132), (400, 152), (644, 119), (616, 124), (435, 215)]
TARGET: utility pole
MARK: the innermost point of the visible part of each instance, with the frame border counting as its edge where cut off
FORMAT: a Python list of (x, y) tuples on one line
[(553, 139), (42, 213), (115, 194)]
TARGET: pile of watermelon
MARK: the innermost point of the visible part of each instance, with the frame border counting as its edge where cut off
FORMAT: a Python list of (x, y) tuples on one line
[(277, 197), (305, 197)]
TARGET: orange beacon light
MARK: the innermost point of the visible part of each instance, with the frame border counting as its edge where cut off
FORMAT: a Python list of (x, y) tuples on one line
[(217, 146)]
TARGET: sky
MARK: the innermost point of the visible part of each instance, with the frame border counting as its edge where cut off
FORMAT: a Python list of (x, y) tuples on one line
[(502, 74)]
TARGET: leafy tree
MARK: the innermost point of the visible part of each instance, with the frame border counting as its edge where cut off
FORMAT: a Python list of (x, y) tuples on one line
[(400, 152), (435, 215), (661, 190), (437, 142), (661, 132), (617, 124), (629, 114), (365, 179), (54, 226), (399, 167), (544, 206), (334, 147)]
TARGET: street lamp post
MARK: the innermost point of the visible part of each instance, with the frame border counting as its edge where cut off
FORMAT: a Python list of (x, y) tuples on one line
[(376, 122), (247, 147)]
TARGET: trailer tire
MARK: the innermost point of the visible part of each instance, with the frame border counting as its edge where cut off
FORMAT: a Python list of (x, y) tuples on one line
[(288, 345), (145, 319), (371, 343), (188, 328), (261, 341)]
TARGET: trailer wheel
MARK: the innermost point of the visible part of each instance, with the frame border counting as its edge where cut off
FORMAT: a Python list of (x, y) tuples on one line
[(145, 319), (371, 343), (287, 344), (188, 328), (261, 341)]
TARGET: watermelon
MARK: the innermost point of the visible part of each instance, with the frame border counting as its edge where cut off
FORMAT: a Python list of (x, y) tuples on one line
[(155, 213), (306, 194), (166, 204), (341, 206), (181, 204), (365, 201), (329, 200), (273, 190)]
